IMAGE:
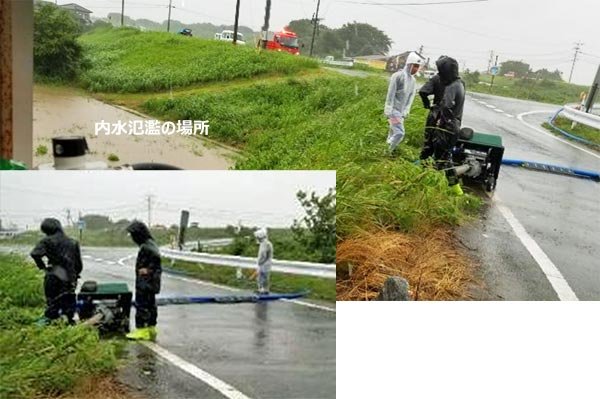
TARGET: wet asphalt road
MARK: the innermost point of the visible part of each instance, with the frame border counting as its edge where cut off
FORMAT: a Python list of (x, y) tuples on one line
[(269, 350), (560, 213)]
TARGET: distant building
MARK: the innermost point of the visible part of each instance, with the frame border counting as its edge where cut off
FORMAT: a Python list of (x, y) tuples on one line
[(81, 13), (396, 62)]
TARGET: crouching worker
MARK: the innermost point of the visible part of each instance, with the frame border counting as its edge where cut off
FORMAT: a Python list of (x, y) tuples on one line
[(265, 259), (147, 282), (399, 99), (62, 271)]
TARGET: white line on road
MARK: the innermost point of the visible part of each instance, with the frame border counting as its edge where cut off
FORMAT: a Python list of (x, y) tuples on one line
[(122, 260), (224, 388), (537, 129), (490, 106), (556, 279), (509, 115), (498, 110)]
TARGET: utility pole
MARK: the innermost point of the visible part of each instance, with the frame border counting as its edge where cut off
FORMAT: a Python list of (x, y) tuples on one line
[(169, 20), (490, 61), (577, 48), (237, 18), (122, 11), (265, 27), (149, 198), (589, 102), (315, 22)]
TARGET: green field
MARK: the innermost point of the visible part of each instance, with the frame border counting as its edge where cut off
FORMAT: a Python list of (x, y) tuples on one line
[(42, 361), (546, 91), (127, 60), (585, 132)]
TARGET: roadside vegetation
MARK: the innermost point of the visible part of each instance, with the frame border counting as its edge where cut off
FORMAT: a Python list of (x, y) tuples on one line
[(43, 361), (543, 90), (583, 131)]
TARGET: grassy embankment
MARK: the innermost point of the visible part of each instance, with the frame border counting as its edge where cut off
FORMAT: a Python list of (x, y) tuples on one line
[(324, 121), (583, 131), (546, 91), (44, 361)]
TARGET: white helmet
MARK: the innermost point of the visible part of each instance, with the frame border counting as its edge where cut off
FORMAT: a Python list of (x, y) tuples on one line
[(260, 234), (414, 58)]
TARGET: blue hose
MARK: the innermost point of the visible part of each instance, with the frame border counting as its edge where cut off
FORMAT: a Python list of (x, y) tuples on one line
[(567, 134), (544, 167)]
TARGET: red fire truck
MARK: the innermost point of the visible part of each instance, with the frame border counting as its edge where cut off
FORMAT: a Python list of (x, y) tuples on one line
[(285, 40)]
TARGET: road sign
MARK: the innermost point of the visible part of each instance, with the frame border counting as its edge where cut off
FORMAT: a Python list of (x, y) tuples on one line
[(494, 70), (81, 224)]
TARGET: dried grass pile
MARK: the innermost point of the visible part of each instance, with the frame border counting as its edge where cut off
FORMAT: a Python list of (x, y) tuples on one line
[(430, 262)]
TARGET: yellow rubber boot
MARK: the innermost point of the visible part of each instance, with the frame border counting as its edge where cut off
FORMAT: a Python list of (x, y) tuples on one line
[(141, 334), (456, 190), (153, 333)]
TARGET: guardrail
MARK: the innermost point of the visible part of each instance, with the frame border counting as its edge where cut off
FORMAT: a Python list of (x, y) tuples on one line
[(211, 243), (578, 116), (284, 266)]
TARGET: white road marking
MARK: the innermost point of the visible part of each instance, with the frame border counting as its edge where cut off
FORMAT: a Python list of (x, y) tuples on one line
[(86, 257), (110, 262), (224, 388), (498, 110), (509, 115), (537, 129), (310, 305), (122, 260), (99, 260), (556, 279), (483, 102), (490, 106)]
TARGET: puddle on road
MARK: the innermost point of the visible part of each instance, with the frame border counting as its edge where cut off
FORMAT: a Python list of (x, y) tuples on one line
[(68, 112)]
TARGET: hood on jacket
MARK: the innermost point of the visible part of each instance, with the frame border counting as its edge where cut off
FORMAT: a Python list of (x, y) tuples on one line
[(447, 69), (51, 226), (139, 232)]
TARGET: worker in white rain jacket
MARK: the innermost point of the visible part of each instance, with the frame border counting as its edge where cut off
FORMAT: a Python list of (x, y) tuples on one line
[(400, 96), (265, 259)]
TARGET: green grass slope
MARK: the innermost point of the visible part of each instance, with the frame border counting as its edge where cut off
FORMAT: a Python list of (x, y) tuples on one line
[(128, 60)]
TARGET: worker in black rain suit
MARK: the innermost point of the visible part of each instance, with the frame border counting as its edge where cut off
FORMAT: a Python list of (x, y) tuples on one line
[(447, 119), (433, 87), (147, 282), (62, 271)]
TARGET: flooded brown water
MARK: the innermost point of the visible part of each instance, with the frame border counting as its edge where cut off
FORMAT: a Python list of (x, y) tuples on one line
[(69, 112)]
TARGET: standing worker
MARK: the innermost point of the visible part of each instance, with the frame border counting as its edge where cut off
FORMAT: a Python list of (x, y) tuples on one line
[(265, 259), (400, 96), (448, 119), (147, 282), (63, 270), (435, 87)]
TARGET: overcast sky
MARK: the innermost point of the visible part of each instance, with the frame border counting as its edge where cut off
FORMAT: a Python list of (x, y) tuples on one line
[(541, 32), (214, 198)]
